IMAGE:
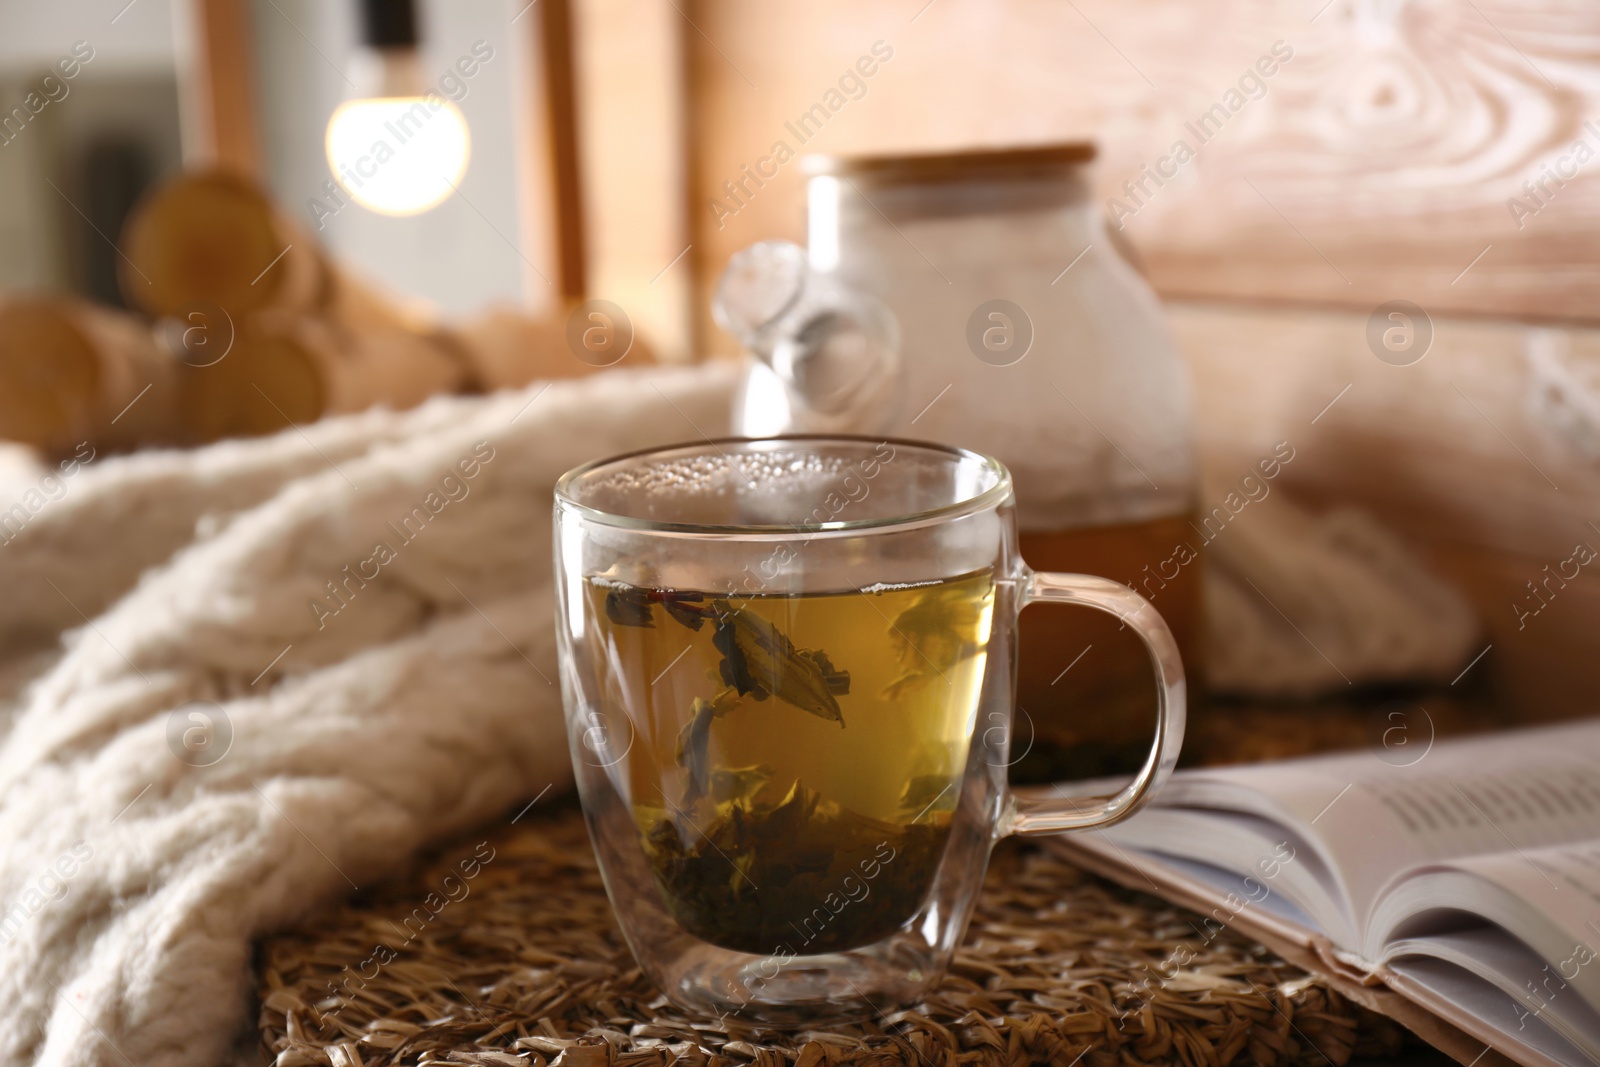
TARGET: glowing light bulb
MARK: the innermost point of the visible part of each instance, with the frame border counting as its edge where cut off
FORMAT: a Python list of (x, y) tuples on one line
[(398, 155)]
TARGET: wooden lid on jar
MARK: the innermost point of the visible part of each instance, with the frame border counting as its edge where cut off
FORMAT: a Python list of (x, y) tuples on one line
[(955, 165)]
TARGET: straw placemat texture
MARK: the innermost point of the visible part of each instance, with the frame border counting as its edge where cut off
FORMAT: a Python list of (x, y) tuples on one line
[(504, 952)]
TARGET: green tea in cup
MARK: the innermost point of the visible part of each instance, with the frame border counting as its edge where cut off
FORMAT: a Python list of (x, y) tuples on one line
[(798, 757)]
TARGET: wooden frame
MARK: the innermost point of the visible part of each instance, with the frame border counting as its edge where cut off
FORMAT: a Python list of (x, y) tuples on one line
[(561, 128), (224, 94)]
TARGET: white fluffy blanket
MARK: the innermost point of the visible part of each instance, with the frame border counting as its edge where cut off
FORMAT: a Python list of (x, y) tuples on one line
[(342, 651)]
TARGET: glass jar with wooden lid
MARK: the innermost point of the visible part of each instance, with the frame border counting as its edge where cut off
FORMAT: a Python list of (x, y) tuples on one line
[(977, 298)]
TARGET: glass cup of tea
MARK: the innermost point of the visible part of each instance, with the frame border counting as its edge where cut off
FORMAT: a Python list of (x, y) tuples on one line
[(788, 667)]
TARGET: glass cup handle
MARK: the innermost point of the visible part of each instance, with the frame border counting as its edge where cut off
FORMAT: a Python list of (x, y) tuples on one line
[(1043, 810)]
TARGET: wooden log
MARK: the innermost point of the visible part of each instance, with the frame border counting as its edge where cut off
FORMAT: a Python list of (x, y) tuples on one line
[(390, 367), (285, 370), (312, 338), (506, 348), (214, 236), (269, 380), (73, 372)]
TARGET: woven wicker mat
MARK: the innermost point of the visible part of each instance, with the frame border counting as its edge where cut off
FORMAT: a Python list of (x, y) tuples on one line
[(522, 964)]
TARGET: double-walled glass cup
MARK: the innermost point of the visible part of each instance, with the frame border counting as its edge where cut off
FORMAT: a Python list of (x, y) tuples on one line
[(788, 669)]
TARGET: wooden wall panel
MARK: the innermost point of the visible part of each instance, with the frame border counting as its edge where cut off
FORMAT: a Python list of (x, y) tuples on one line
[(1374, 164), (632, 94)]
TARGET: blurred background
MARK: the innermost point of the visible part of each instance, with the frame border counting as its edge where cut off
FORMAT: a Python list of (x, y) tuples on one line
[(1338, 156)]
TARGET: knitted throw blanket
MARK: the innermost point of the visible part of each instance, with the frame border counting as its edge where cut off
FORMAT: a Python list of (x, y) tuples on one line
[(293, 663)]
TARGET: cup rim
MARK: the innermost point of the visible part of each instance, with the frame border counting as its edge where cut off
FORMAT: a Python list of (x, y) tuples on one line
[(988, 499)]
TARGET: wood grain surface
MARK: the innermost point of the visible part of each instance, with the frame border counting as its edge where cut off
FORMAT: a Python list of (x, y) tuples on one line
[(1374, 162)]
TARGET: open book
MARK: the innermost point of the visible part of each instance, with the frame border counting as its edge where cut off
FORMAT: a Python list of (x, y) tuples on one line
[(1463, 879)]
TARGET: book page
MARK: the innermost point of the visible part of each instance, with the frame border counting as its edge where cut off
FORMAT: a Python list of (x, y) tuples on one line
[(1375, 816), (1558, 887), (1471, 1002), (1258, 858)]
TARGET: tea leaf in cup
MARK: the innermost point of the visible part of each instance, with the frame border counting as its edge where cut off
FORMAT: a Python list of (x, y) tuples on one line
[(629, 607), (804, 875), (926, 790), (682, 607), (694, 740), (739, 783), (788, 821), (938, 630), (757, 659), (837, 681)]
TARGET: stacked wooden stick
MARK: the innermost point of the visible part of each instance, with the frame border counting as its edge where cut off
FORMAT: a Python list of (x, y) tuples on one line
[(248, 327)]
